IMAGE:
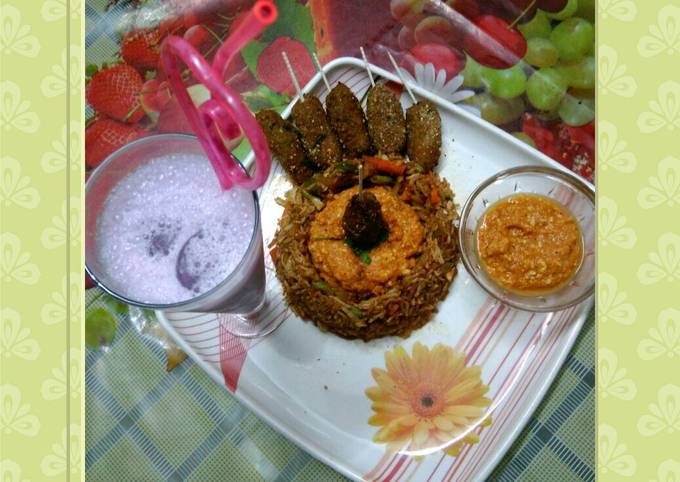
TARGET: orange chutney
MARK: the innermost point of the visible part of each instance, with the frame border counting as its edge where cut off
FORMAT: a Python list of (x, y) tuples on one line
[(529, 243)]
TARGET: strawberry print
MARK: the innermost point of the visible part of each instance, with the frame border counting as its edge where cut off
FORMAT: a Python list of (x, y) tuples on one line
[(114, 92), (141, 49), (104, 136)]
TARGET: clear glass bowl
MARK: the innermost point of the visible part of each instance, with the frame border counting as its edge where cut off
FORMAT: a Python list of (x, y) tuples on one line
[(572, 193)]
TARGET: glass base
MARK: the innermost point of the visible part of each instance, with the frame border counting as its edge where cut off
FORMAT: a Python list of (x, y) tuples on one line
[(259, 323)]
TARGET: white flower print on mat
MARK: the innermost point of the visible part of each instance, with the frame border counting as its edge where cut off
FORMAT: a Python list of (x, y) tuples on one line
[(611, 379), (663, 416), (612, 77), (613, 456), (664, 339), (14, 187), (15, 36), (54, 84), (663, 112), (56, 159), (55, 236), (15, 340), (664, 264), (612, 228), (54, 311), (10, 471), (668, 471), (55, 463), (15, 264), (664, 188), (612, 305), (15, 416), (54, 387), (612, 151), (53, 10), (664, 36), (15, 113), (624, 10), (435, 82)]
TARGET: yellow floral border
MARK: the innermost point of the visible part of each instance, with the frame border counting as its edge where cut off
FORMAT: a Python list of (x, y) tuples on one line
[(638, 112), (41, 279)]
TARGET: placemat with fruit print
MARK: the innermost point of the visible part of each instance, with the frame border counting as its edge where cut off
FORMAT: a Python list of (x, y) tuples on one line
[(151, 414)]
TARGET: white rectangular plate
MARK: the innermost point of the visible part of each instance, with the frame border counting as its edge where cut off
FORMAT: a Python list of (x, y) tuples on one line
[(311, 385)]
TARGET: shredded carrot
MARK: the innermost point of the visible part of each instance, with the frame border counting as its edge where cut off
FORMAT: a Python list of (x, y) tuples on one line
[(274, 253), (369, 170), (406, 195), (388, 166), (435, 197)]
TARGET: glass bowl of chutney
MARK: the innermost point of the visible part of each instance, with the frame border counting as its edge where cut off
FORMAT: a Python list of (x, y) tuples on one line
[(527, 237)]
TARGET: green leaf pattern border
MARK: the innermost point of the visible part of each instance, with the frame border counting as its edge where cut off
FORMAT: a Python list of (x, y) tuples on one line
[(41, 254), (41, 264), (638, 333)]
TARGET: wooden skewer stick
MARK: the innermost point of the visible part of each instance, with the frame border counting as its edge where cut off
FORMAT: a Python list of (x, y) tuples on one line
[(370, 75), (361, 179), (296, 84), (401, 77), (323, 74)]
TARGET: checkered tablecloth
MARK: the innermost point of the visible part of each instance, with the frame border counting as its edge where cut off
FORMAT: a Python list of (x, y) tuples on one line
[(146, 424)]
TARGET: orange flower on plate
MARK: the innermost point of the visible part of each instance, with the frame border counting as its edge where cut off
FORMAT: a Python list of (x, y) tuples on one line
[(428, 402)]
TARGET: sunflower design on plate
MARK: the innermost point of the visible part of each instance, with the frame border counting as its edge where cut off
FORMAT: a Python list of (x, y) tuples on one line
[(429, 401)]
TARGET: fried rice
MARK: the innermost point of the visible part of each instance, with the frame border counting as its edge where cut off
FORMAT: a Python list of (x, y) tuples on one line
[(402, 307)]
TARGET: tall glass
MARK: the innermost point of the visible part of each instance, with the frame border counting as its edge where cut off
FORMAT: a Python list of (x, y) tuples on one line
[(240, 297)]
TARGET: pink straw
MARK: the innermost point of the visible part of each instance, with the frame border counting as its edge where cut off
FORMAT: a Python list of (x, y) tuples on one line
[(225, 115)]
